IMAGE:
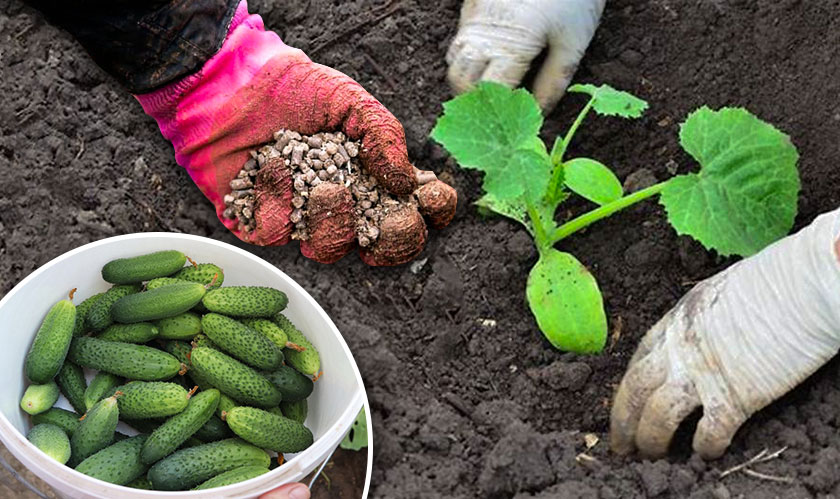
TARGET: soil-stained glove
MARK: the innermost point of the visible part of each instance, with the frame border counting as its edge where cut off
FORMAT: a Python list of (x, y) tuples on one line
[(498, 39), (733, 344), (253, 87)]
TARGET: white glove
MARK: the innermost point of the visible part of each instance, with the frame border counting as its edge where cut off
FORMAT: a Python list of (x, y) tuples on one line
[(733, 344), (498, 39)]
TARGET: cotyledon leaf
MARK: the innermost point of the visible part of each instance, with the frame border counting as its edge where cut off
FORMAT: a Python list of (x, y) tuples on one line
[(567, 304)]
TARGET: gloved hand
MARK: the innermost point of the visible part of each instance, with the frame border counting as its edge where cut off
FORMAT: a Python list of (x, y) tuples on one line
[(498, 39), (733, 344), (256, 85)]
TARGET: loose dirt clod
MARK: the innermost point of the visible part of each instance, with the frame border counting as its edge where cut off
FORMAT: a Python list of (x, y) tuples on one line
[(314, 159)]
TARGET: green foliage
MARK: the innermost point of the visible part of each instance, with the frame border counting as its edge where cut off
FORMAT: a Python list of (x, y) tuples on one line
[(357, 437), (743, 197)]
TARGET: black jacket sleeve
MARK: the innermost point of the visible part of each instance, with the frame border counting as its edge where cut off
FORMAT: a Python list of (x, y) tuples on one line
[(144, 44)]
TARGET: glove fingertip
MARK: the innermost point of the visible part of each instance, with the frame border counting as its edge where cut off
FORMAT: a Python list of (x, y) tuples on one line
[(438, 202), (402, 237)]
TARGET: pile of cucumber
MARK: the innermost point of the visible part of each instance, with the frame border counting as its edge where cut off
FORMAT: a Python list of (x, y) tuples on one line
[(215, 379)]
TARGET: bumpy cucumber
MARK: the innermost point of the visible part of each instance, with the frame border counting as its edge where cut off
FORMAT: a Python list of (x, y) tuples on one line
[(39, 398), (181, 327), (140, 332), (181, 351), (118, 463), (306, 361), (144, 267), (82, 310), (64, 419), (202, 340), (187, 468), (151, 399), (225, 404), (267, 430), (102, 385), (296, 411), (51, 343), (161, 281), (275, 410), (204, 273), (99, 316), (123, 359), (214, 429), (177, 429), (268, 329), (234, 378), (95, 432), (142, 483), (245, 301), (230, 477), (292, 384), (159, 303), (52, 441), (71, 382), (242, 342)]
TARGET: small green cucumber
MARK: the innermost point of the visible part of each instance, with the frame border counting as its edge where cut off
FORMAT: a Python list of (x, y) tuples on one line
[(296, 411), (50, 346), (99, 315), (151, 399), (82, 310), (242, 342), (142, 483), (118, 463), (204, 273), (187, 468), (234, 378), (292, 384), (123, 359), (230, 477), (245, 301), (275, 410), (225, 404), (39, 398), (202, 340), (144, 267), (159, 303), (268, 431), (71, 382), (268, 329), (181, 327), (64, 419), (161, 281), (52, 441), (180, 427), (95, 432), (140, 332), (307, 360), (181, 351), (214, 429), (102, 385)]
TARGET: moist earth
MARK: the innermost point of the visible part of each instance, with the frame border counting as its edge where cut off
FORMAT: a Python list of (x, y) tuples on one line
[(467, 398)]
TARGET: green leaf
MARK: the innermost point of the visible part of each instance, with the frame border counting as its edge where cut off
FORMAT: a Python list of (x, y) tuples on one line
[(744, 196), (592, 180), (611, 102), (494, 129), (357, 437), (567, 303)]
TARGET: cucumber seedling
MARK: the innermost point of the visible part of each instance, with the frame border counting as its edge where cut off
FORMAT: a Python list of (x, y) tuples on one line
[(742, 198)]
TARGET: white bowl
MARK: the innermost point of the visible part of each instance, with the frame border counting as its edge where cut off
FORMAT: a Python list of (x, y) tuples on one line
[(333, 405)]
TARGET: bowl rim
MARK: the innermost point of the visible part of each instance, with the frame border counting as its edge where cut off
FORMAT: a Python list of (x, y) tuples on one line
[(52, 471)]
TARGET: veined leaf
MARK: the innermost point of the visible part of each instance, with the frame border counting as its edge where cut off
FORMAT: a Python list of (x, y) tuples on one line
[(611, 102), (494, 129), (744, 196), (592, 180), (565, 299)]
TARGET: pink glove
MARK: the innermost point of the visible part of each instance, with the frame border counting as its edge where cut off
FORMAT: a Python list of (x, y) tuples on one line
[(256, 85)]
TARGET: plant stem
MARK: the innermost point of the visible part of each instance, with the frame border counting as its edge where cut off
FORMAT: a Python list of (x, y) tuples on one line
[(571, 133), (582, 221), (559, 150), (540, 235)]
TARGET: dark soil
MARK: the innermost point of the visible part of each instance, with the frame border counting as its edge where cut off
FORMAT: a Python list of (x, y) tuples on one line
[(462, 406)]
